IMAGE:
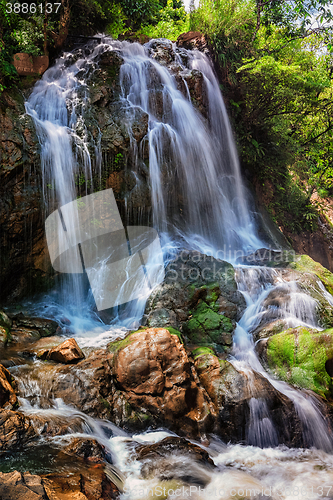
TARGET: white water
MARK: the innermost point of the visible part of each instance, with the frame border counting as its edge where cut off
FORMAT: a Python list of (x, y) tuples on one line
[(296, 309)]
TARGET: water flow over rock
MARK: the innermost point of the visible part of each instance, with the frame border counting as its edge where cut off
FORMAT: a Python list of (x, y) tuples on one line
[(172, 113), (295, 308)]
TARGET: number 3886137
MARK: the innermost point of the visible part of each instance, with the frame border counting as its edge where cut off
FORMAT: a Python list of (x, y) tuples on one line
[(32, 8)]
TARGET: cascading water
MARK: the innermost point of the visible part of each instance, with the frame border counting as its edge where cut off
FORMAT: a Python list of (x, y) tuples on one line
[(295, 308), (197, 191)]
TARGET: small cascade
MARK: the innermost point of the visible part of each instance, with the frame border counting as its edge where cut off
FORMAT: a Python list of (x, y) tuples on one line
[(295, 308)]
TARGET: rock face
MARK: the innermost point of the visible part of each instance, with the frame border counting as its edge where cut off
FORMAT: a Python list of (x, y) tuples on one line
[(67, 352), (7, 394), (22, 266), (198, 297)]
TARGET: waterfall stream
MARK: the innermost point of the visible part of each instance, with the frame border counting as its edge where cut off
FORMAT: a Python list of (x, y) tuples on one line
[(199, 202)]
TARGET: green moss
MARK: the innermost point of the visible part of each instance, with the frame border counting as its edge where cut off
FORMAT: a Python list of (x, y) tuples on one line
[(120, 344), (304, 263), (200, 351), (173, 331), (105, 403), (298, 355)]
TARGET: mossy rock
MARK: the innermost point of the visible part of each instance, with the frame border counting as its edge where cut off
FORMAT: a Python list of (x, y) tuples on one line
[(202, 350), (304, 263), (5, 321), (299, 355), (206, 326)]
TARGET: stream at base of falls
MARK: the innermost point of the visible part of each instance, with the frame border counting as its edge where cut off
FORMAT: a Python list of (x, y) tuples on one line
[(204, 210), (257, 469)]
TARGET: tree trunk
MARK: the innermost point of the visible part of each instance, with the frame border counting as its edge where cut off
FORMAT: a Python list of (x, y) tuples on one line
[(65, 18)]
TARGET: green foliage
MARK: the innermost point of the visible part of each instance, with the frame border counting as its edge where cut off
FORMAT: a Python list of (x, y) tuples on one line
[(172, 22), (140, 12), (29, 36)]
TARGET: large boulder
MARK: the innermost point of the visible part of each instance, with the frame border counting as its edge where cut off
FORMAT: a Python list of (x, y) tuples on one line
[(198, 297), (302, 357), (151, 367), (24, 267)]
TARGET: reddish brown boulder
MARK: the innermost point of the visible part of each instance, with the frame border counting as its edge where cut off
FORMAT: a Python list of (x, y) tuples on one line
[(153, 370), (7, 394), (67, 352)]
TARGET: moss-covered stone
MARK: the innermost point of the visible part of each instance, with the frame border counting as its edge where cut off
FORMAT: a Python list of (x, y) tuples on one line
[(304, 263), (206, 326), (298, 356)]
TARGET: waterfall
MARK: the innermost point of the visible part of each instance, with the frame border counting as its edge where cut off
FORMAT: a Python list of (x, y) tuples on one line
[(197, 192), (199, 201), (198, 198)]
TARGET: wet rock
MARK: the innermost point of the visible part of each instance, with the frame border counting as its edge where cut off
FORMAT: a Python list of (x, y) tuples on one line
[(194, 81), (153, 370), (176, 459), (67, 352), (45, 327), (7, 394), (23, 267), (85, 448), (174, 446), (5, 321), (299, 356), (161, 50), (268, 257), (234, 393), (270, 329), (18, 486), (25, 329), (198, 297), (192, 40), (16, 430), (90, 484)]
